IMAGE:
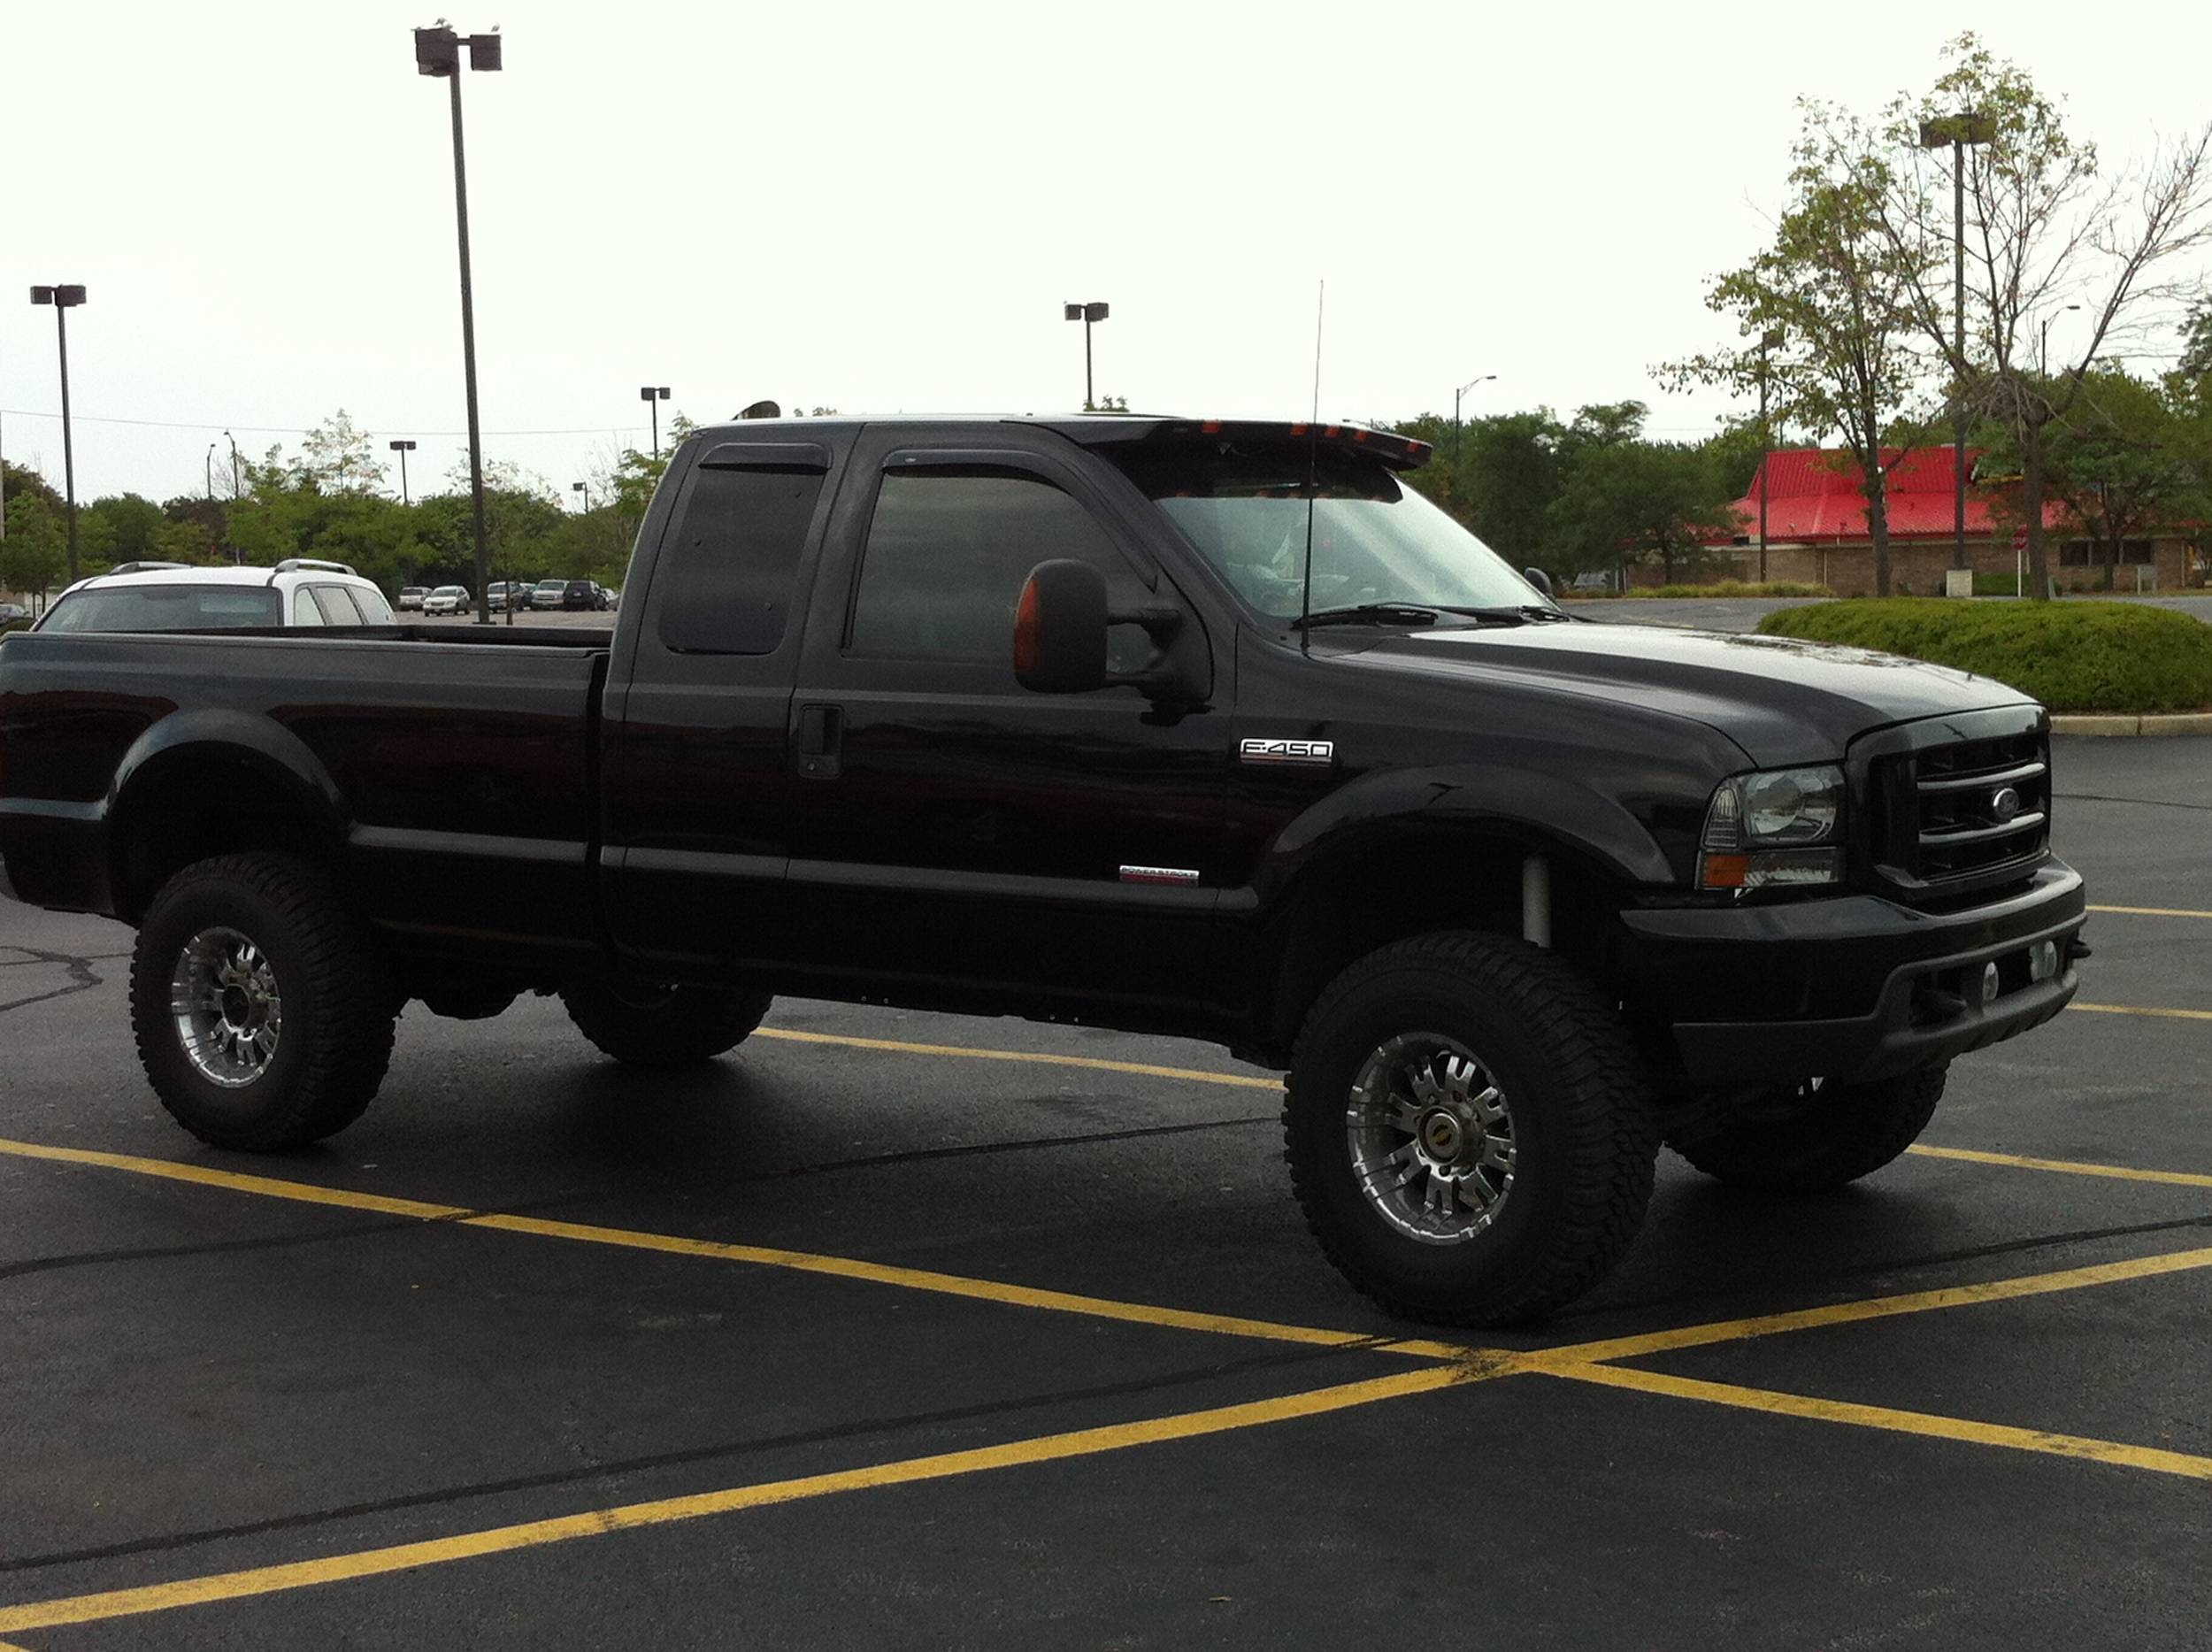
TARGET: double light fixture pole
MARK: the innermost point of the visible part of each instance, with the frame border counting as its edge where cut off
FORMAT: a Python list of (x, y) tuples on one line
[(1087, 314), (1959, 132), (65, 299), (438, 53)]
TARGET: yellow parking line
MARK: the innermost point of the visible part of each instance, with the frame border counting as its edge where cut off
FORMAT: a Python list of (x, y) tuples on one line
[(1043, 1058), (267, 1186), (2152, 911), (758, 1255), (1084, 1442), (2065, 1167), (1894, 1421), (2125, 1008), (1867, 1308)]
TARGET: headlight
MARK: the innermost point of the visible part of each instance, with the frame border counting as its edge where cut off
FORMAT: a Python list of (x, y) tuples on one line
[(1763, 831)]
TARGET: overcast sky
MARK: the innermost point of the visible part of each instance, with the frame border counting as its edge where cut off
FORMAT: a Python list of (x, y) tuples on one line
[(883, 206)]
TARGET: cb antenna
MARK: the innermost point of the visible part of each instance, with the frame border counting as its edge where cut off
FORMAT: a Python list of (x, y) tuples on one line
[(1313, 465)]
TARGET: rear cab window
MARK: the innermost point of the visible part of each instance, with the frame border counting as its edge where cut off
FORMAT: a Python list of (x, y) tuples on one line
[(733, 562)]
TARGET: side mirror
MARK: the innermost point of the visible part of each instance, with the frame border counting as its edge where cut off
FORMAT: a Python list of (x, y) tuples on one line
[(1060, 628), (1541, 580)]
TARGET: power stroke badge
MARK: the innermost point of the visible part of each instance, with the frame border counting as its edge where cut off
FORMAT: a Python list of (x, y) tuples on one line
[(1313, 753)]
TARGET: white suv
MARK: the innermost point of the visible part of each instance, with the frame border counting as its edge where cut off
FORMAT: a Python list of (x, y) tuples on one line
[(175, 596)]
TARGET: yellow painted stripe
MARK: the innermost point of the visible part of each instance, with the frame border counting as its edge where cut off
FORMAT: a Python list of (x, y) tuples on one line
[(2153, 911), (2065, 1167), (267, 1186), (2126, 1008), (757, 1255), (1043, 1058), (231, 1585), (1894, 1421), (1869, 1308)]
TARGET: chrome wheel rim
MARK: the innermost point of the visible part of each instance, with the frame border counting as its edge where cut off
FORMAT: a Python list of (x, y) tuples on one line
[(229, 1016), (1431, 1139)]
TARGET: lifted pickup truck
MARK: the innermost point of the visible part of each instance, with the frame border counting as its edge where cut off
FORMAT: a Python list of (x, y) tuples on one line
[(1212, 729)]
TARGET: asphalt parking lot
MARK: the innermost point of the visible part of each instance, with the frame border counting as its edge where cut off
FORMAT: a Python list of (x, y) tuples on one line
[(896, 1329)]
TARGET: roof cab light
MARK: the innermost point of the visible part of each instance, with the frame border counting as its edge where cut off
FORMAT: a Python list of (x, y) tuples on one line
[(1773, 829)]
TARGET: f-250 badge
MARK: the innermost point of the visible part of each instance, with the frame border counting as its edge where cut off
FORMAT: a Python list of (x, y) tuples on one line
[(1320, 753)]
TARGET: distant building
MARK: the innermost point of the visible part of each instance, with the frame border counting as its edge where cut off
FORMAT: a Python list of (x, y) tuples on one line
[(1816, 529)]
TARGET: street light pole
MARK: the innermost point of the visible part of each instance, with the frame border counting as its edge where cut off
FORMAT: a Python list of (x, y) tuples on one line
[(1087, 314), (438, 52), (1463, 390), (65, 299), (403, 447), (2043, 346), (210, 472), (579, 487), (653, 396)]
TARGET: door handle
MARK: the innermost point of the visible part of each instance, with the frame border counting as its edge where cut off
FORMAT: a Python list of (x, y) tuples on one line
[(821, 733)]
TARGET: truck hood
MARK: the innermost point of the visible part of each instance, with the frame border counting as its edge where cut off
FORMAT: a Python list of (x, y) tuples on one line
[(1784, 701)]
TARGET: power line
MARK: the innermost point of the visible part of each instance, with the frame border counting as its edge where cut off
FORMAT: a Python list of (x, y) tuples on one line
[(301, 430)]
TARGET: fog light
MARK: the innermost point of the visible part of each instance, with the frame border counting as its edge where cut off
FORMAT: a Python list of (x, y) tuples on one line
[(1990, 983), (2043, 961)]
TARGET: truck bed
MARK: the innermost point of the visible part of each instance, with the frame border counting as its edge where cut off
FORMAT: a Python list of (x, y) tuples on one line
[(461, 760)]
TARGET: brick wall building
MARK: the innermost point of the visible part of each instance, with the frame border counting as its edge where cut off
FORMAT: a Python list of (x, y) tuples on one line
[(1817, 530)]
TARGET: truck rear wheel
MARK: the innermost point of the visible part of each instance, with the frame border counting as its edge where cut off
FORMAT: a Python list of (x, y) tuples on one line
[(649, 1026), (1810, 1137), (262, 1013), (1468, 1129)]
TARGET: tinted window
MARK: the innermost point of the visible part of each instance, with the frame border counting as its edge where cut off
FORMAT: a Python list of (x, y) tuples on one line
[(735, 560), (337, 605), (373, 608), (165, 608), (947, 557)]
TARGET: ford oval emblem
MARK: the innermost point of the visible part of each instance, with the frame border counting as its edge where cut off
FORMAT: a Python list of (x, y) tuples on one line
[(2004, 806)]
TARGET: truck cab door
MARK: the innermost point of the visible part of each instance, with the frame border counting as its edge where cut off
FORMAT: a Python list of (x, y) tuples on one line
[(953, 832), (697, 785)]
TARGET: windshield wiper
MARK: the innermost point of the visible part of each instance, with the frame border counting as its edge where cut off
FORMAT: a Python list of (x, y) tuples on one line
[(1370, 613), (1424, 614)]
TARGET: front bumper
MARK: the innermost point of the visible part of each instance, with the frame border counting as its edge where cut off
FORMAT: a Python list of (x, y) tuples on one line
[(1849, 988)]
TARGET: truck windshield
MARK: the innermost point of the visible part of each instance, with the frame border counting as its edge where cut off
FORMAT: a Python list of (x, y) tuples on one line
[(1376, 542), (165, 608)]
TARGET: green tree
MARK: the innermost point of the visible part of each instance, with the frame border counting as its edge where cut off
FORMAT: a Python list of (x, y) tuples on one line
[(36, 552), (1625, 499), (131, 520), (15, 481), (2131, 459), (1827, 312), (338, 456), (2043, 229), (96, 543), (2196, 342)]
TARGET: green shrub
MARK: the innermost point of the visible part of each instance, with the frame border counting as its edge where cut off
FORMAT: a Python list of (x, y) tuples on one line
[(2072, 656), (1725, 587), (1996, 585)]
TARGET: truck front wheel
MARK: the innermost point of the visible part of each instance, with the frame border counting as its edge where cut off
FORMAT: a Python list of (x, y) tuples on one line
[(1810, 1137), (650, 1026), (1468, 1129), (262, 1011)]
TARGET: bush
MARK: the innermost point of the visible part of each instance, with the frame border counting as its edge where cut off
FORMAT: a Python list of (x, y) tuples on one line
[(1996, 585), (1725, 587), (2073, 656)]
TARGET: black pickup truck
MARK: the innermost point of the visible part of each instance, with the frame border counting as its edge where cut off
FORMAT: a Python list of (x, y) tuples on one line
[(1177, 727)]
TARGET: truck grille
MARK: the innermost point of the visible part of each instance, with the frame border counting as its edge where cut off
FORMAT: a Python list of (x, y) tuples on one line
[(1966, 812)]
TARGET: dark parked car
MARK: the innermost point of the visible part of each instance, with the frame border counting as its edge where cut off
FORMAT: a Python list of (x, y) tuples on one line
[(1210, 729), (583, 594)]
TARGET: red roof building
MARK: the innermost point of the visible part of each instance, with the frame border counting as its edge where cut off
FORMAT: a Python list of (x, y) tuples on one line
[(1816, 528)]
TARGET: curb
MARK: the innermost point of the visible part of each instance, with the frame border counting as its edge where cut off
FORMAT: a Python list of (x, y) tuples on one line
[(2183, 722)]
